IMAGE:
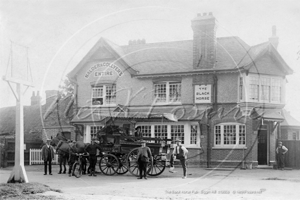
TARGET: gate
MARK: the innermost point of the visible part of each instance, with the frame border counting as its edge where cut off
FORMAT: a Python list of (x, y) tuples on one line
[(35, 157), (292, 157)]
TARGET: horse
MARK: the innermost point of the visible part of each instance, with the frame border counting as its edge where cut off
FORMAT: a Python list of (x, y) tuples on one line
[(63, 146), (62, 149)]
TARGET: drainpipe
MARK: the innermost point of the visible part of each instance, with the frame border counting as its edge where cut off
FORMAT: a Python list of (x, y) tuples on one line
[(214, 108)]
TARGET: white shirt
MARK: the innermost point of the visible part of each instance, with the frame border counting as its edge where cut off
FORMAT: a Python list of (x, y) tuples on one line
[(176, 149)]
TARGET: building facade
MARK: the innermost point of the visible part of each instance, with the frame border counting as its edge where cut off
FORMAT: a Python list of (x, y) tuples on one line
[(222, 97)]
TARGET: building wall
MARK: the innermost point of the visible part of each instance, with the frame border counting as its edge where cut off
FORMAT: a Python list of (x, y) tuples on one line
[(228, 88)]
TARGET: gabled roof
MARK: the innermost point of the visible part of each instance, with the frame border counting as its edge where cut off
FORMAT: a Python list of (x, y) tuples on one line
[(289, 120), (142, 59), (114, 49), (258, 51)]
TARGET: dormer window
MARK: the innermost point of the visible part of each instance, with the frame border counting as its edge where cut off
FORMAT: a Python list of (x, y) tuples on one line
[(104, 95)]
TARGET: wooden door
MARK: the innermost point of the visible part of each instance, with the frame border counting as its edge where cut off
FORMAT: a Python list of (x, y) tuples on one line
[(262, 148), (292, 157)]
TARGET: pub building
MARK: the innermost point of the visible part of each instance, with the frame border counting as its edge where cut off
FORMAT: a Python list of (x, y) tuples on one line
[(222, 97)]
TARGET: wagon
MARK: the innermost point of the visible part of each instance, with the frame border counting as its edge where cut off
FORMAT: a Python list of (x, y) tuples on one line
[(120, 153)]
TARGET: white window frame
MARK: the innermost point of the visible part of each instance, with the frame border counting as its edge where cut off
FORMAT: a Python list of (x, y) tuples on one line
[(186, 135), (104, 95), (237, 135), (93, 129), (168, 85), (263, 88)]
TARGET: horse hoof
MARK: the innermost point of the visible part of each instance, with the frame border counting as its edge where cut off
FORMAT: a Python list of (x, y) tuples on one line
[(59, 172), (64, 172)]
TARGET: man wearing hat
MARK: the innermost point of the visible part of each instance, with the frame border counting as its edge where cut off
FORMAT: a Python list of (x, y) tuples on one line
[(144, 156), (280, 151), (47, 156), (180, 152), (91, 149)]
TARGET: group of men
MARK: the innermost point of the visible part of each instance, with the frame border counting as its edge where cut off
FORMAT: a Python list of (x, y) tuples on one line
[(90, 150), (143, 158)]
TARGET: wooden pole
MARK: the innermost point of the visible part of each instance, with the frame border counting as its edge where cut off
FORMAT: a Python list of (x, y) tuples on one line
[(18, 173)]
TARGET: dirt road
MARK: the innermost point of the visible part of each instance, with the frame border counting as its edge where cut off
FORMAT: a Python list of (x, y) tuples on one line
[(200, 184)]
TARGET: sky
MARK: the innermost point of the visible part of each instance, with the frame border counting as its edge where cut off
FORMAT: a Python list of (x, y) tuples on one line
[(52, 36)]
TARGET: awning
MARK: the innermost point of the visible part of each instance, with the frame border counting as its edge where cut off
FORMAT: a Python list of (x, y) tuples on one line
[(270, 114), (179, 113), (89, 116)]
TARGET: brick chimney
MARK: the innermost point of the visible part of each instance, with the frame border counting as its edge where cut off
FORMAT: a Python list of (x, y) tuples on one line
[(274, 40), (204, 41), (35, 100)]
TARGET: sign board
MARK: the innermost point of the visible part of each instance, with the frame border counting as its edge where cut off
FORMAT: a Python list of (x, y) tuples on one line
[(103, 69), (202, 93)]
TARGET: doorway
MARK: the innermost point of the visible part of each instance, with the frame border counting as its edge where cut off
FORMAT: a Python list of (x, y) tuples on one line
[(262, 147)]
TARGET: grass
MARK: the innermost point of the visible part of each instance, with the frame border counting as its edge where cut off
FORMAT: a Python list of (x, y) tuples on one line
[(16, 191)]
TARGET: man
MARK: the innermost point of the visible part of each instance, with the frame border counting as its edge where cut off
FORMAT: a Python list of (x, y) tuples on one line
[(280, 151), (180, 152), (72, 156), (144, 156), (47, 156), (92, 151)]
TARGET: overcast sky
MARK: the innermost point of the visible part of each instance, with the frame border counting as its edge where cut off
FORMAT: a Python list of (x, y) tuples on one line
[(59, 33)]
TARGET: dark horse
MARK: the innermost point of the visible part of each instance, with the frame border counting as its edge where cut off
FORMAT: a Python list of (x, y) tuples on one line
[(62, 146)]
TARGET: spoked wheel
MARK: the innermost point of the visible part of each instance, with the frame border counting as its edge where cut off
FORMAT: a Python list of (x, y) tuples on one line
[(77, 170), (122, 165), (158, 166), (109, 164), (131, 160)]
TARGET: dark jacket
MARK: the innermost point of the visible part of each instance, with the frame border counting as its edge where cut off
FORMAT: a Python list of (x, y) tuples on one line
[(92, 149), (45, 152)]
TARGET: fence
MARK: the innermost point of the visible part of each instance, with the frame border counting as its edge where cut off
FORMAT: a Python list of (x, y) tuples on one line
[(35, 157)]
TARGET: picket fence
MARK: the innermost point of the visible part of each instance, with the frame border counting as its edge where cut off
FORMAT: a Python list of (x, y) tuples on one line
[(35, 157)]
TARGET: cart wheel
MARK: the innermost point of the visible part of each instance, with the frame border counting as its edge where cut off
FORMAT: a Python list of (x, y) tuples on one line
[(77, 170), (122, 165), (158, 166), (131, 160), (109, 164)]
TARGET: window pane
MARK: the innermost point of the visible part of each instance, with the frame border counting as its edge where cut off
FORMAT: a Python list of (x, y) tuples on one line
[(177, 131), (175, 92), (254, 88), (276, 90), (229, 134), (193, 138), (110, 94), (146, 131), (97, 95), (218, 135), (265, 88), (160, 131), (94, 130), (242, 135), (160, 92)]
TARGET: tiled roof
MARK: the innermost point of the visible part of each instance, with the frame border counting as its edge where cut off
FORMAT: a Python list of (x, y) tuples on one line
[(33, 117), (178, 55), (289, 120)]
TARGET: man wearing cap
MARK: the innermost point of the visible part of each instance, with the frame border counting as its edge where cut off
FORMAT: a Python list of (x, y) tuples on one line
[(144, 156), (180, 152), (280, 151), (91, 149), (47, 156)]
